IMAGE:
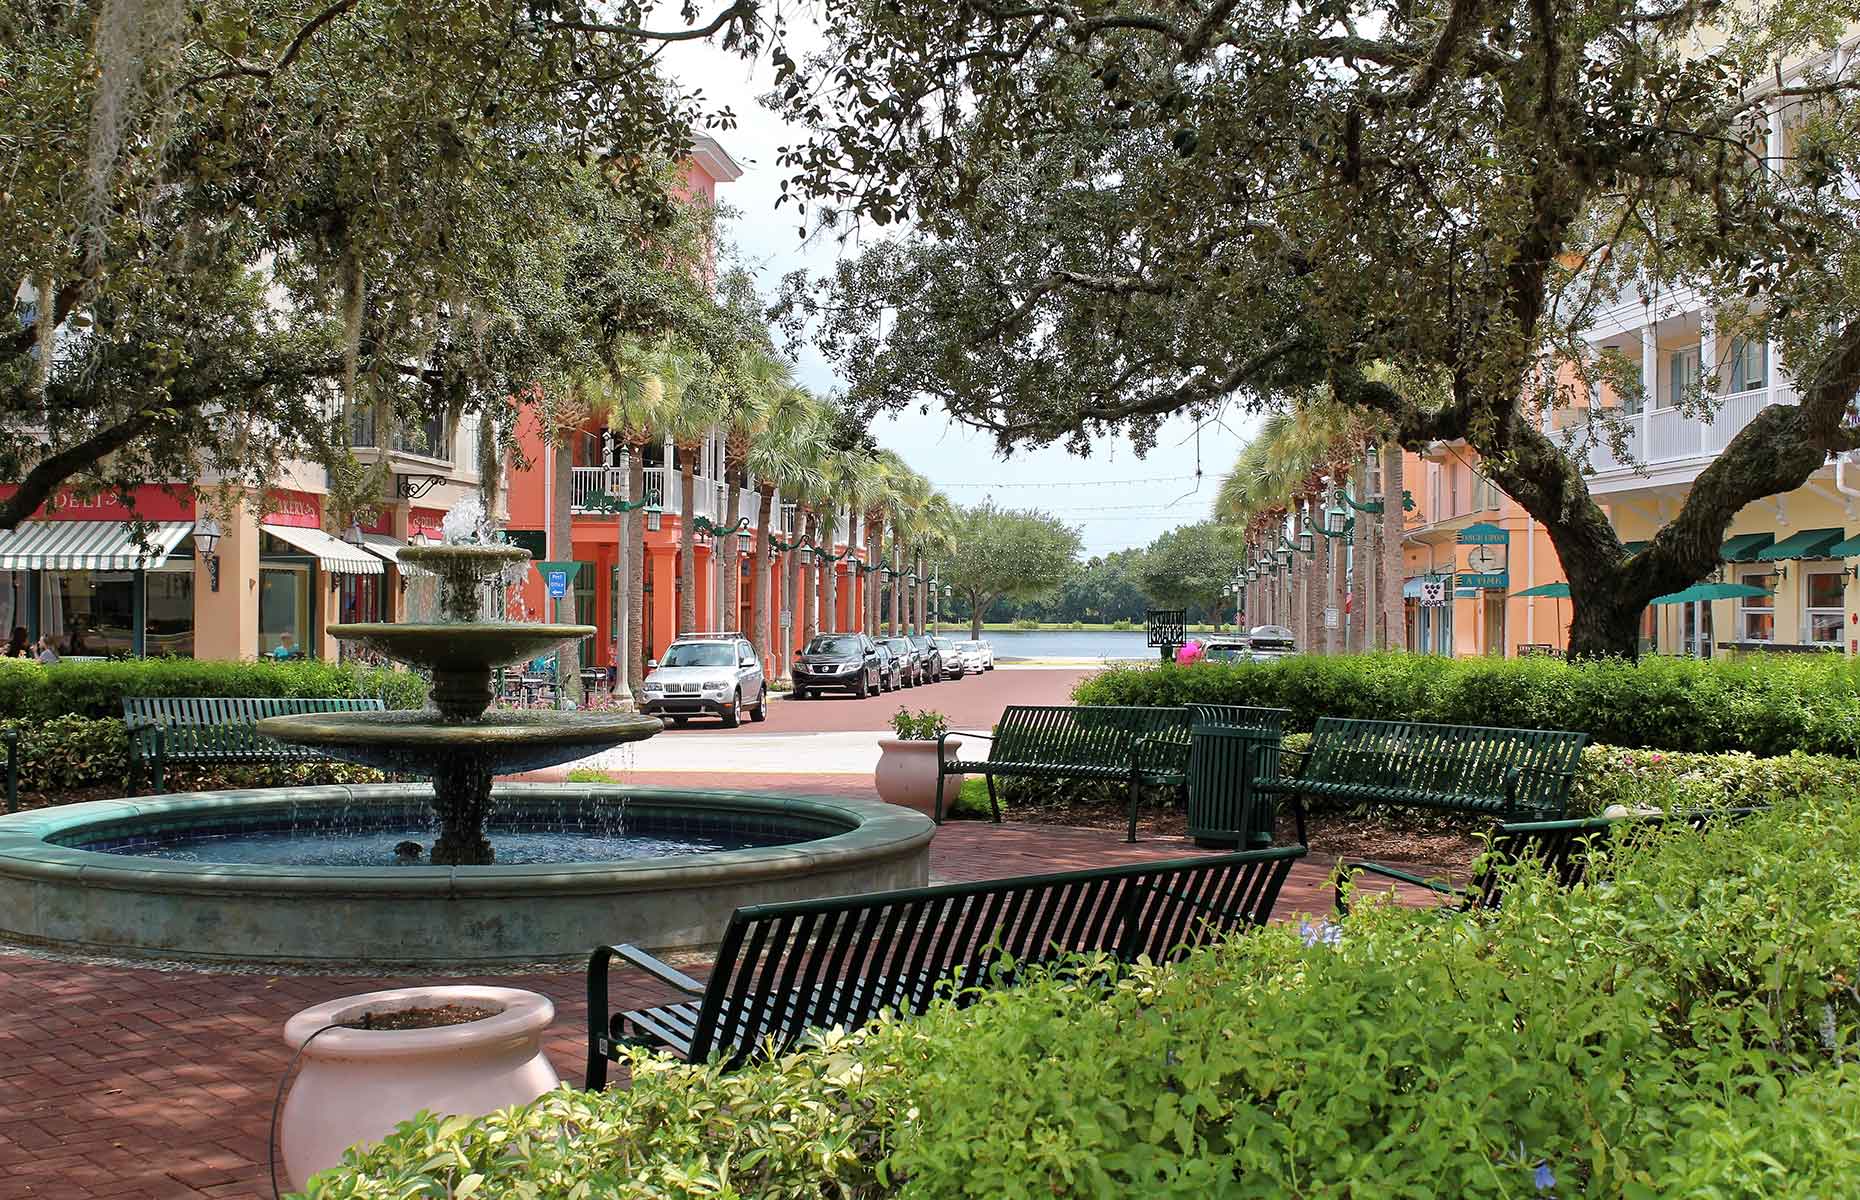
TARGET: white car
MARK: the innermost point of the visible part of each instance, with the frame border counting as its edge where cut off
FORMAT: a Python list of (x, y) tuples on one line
[(707, 674), (977, 656), (1268, 642)]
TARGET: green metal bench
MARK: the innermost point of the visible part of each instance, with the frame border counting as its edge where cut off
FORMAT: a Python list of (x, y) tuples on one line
[(1564, 849), (1507, 773), (218, 730), (786, 968), (1140, 746), (1230, 745)]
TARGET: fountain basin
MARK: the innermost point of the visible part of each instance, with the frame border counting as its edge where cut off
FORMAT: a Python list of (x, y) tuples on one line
[(500, 743), (55, 893)]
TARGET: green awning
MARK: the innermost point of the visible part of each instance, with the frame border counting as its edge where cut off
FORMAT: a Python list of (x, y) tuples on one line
[(1559, 589), (1634, 548), (1743, 547), (1847, 549), (1808, 543)]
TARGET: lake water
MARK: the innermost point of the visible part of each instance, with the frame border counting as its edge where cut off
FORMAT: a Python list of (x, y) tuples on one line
[(1062, 643)]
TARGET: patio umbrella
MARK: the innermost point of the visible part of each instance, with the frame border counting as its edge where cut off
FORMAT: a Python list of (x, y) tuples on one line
[(1710, 591), (1559, 590)]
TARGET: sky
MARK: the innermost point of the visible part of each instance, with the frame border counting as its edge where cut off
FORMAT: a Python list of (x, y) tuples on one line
[(1114, 498)]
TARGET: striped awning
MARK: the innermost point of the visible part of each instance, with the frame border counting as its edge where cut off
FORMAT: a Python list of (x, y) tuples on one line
[(388, 548), (88, 545), (333, 554)]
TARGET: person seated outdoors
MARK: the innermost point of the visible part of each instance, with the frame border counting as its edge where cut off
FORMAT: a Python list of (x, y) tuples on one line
[(17, 646), (285, 648), (46, 655)]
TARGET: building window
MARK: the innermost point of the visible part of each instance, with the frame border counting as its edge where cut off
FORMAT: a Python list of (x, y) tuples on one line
[(1748, 366), (283, 611), (584, 605), (1682, 375), (1756, 618), (362, 428), (426, 438), (1827, 608), (1635, 398), (168, 610), (88, 613), (13, 604), (358, 597)]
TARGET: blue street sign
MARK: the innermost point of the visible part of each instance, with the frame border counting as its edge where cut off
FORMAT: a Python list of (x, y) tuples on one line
[(557, 582)]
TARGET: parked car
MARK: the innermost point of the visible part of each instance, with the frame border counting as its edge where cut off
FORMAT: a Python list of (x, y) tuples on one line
[(955, 665), (928, 656), (845, 662), (977, 655), (1232, 648), (1268, 642), (891, 675), (715, 674), (909, 661)]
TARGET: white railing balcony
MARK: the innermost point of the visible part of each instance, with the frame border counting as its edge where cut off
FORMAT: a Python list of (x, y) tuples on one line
[(1663, 436), (593, 482)]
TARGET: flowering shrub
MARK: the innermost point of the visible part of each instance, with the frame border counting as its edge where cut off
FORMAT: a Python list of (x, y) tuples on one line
[(1689, 1029), (925, 725)]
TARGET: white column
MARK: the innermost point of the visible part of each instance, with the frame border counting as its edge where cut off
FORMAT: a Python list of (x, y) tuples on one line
[(1708, 367), (1649, 369)]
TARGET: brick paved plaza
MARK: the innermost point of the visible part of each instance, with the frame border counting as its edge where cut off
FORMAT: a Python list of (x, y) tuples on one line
[(132, 1082)]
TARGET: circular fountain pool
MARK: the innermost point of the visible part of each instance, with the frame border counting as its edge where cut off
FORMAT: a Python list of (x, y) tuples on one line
[(309, 875)]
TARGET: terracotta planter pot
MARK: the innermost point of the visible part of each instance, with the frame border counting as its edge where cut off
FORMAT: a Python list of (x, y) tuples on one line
[(906, 774), (358, 1084)]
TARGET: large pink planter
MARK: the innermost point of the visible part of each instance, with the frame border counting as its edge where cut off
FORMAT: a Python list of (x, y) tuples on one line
[(358, 1084), (906, 774)]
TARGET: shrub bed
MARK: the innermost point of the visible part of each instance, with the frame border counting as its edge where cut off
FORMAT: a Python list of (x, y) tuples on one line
[(96, 689), (1763, 704), (1691, 1029), (1606, 775), (72, 754)]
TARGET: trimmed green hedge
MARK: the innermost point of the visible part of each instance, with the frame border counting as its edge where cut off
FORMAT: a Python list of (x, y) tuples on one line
[(1764, 704), (1690, 1029), (96, 689), (1606, 775), (71, 753)]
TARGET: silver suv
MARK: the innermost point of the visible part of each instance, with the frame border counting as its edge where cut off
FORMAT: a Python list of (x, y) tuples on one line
[(707, 673)]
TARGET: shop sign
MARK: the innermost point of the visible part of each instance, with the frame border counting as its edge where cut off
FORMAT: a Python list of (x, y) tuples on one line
[(1484, 534), (153, 502), (299, 510), (428, 521), (375, 520), (1496, 581), (1434, 593)]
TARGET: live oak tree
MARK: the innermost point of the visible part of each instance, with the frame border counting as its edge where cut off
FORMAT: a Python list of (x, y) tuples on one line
[(994, 552), (1127, 210), (1190, 564), (231, 224)]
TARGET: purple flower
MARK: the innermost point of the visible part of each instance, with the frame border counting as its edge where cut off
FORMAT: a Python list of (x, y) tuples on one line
[(1544, 1177), (1323, 932)]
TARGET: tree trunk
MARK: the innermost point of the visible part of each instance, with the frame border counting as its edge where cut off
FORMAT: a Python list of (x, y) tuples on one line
[(759, 584), (791, 593), (1393, 609), (874, 533), (897, 582), (636, 567), (975, 617), (1361, 554), (687, 541), (829, 577), (810, 613), (562, 541), (729, 554)]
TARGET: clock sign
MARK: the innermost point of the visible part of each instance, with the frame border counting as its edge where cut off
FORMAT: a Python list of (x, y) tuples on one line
[(1485, 560)]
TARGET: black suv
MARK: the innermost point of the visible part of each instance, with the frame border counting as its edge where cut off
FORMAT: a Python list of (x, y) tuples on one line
[(840, 661), (910, 662), (929, 657)]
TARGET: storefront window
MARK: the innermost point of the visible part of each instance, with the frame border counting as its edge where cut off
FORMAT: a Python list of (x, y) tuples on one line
[(584, 606), (12, 604), (1826, 606), (168, 610), (1757, 615), (283, 611), (88, 613), (358, 597)]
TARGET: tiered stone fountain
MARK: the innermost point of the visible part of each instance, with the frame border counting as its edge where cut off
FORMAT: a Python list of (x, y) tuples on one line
[(457, 744)]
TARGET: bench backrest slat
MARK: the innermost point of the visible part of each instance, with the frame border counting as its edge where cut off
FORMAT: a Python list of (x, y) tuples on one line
[(786, 968), (1087, 735), (1463, 760), (1568, 849)]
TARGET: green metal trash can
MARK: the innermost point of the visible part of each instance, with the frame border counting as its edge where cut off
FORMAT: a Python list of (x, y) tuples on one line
[(1230, 746)]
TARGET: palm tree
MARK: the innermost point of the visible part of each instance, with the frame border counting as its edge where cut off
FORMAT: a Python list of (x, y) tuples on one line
[(935, 542), (777, 459), (911, 493), (690, 412), (760, 377), (635, 407)]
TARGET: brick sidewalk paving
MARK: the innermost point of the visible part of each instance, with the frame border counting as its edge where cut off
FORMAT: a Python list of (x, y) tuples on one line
[(134, 1082)]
